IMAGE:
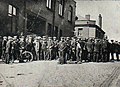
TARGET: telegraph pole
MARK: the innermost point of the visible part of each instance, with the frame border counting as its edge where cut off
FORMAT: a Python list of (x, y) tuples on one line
[(25, 18), (54, 6)]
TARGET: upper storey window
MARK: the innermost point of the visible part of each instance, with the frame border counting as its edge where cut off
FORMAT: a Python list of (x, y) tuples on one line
[(49, 4), (70, 13), (61, 7), (12, 11)]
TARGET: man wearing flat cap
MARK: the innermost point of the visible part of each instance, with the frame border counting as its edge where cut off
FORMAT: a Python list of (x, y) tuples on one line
[(62, 51), (112, 49), (9, 50)]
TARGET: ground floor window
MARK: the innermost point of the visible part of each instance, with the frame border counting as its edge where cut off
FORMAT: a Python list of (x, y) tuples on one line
[(56, 31), (61, 33), (49, 30), (36, 25)]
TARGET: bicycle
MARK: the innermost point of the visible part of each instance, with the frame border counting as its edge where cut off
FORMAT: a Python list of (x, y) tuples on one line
[(26, 56)]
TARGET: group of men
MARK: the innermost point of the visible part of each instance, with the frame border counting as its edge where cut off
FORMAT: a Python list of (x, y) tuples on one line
[(50, 48), (89, 50)]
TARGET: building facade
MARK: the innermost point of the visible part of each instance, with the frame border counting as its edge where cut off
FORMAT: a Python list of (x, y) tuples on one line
[(40, 17), (86, 28)]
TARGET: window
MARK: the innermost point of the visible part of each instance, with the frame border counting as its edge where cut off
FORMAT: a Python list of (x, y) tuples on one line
[(61, 7), (49, 4), (49, 31), (61, 33), (56, 31), (80, 30), (11, 11), (14, 11), (70, 13)]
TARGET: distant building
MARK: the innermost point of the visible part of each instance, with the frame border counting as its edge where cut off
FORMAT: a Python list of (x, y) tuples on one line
[(86, 28), (41, 17)]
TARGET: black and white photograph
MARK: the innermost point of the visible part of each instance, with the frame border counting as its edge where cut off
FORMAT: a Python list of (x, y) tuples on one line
[(59, 43)]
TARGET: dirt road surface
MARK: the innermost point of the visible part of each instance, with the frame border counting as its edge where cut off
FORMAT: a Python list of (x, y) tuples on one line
[(51, 74)]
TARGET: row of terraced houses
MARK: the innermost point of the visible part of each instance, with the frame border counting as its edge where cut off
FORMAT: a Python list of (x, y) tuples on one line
[(40, 17), (43, 17)]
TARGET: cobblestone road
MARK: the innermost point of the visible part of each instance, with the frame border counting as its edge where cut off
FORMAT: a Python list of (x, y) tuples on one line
[(51, 74)]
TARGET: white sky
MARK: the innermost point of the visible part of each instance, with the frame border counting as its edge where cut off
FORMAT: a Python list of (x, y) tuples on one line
[(110, 10)]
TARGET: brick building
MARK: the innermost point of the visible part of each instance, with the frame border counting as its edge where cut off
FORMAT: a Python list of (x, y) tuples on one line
[(41, 17), (87, 28)]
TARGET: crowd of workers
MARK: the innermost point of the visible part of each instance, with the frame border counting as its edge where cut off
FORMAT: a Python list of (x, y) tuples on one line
[(65, 49)]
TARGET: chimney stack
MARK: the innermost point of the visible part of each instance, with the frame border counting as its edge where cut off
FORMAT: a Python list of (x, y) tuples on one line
[(100, 20), (87, 17)]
